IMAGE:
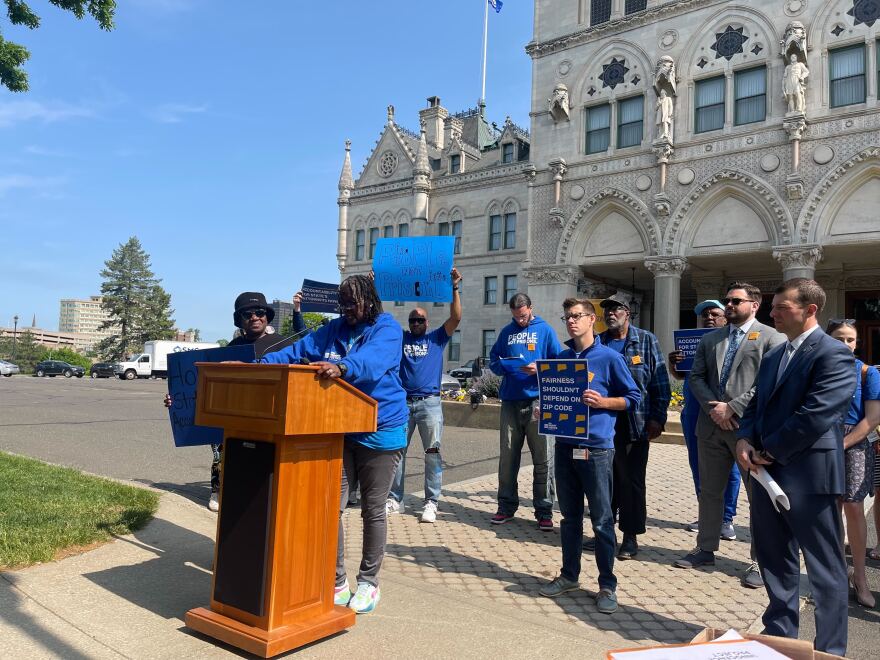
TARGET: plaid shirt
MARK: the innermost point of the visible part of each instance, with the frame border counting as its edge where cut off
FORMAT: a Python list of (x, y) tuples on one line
[(648, 369)]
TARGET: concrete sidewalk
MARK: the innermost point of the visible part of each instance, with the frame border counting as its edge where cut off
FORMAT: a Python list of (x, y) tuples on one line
[(459, 588)]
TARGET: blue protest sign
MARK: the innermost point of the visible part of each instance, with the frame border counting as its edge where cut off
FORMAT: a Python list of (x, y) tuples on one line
[(320, 297), (687, 341), (414, 269), (182, 381), (561, 412)]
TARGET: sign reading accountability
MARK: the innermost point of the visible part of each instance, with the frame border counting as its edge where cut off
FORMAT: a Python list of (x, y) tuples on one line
[(319, 297), (182, 380), (414, 269), (560, 386), (687, 341)]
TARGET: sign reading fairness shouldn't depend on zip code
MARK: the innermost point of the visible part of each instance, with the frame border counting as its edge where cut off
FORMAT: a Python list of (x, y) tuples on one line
[(562, 412)]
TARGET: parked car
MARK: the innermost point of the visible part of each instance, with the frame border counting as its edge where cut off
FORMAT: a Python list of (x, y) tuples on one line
[(7, 368), (448, 383), (58, 368), (103, 370), (464, 371)]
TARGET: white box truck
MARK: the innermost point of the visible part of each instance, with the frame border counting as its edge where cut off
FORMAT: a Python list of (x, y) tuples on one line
[(153, 362)]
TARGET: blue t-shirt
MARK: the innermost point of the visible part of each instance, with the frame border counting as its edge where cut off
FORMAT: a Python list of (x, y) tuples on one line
[(869, 390), (422, 363), (616, 344)]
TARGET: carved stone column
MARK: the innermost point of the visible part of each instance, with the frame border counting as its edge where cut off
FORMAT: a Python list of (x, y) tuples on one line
[(795, 124), (798, 260), (663, 150), (667, 296), (557, 215), (530, 173), (548, 287)]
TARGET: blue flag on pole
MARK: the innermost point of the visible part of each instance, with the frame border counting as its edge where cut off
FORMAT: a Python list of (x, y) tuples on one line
[(496, 5)]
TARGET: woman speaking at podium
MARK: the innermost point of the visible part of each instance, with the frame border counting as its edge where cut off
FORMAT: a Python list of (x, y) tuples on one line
[(363, 347)]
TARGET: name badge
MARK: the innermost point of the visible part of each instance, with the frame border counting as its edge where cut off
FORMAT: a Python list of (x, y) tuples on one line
[(754, 335), (531, 347), (579, 454), (636, 359)]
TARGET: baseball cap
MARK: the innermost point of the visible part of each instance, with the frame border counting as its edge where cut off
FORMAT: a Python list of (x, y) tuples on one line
[(707, 304)]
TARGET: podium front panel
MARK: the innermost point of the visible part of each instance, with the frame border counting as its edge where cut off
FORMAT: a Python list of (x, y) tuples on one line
[(242, 564)]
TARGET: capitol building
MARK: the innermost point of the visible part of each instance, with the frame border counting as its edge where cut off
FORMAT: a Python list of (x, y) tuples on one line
[(674, 146)]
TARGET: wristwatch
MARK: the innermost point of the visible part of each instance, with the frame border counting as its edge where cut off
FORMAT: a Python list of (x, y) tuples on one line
[(343, 369)]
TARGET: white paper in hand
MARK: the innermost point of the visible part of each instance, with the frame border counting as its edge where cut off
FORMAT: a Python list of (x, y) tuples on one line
[(777, 496)]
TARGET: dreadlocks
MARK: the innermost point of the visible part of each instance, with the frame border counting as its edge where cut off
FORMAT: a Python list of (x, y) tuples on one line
[(361, 289)]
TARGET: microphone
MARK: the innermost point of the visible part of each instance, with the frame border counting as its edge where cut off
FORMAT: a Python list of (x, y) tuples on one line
[(295, 336)]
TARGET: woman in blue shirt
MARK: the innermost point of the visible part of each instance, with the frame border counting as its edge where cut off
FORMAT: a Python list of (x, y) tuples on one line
[(861, 419), (363, 347)]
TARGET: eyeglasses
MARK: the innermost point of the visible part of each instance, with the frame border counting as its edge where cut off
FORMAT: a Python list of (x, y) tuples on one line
[(717, 314), (734, 301), (347, 306), (417, 320), (574, 317), (842, 322), (247, 313)]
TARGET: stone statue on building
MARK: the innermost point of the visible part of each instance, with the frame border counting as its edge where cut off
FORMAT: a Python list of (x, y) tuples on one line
[(664, 75), (794, 85), (390, 111), (558, 103), (665, 112)]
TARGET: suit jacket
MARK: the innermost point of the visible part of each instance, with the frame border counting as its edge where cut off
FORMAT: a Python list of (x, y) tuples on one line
[(705, 376), (799, 419)]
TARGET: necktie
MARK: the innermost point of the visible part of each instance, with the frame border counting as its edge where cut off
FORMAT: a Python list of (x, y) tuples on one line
[(783, 363), (735, 336)]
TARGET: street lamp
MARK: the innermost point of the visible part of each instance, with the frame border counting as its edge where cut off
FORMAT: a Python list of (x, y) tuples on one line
[(14, 333)]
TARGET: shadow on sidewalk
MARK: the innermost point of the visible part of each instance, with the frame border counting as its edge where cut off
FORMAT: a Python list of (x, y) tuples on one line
[(632, 623), (195, 491), (12, 606), (176, 580)]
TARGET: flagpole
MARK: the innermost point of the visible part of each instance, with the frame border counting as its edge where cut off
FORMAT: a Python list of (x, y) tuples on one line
[(485, 42)]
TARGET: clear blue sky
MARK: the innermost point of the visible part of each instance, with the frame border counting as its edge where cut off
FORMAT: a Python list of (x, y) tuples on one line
[(213, 131)]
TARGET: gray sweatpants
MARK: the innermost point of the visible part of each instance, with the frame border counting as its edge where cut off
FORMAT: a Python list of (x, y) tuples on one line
[(374, 471)]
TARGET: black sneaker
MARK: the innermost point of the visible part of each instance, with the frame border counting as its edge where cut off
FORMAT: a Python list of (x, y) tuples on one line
[(696, 557), (629, 548), (752, 577)]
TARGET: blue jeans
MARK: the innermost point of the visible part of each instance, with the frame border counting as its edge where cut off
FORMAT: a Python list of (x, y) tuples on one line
[(427, 414), (593, 478), (517, 427), (731, 492)]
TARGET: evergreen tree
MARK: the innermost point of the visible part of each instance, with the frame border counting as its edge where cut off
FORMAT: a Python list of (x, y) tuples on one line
[(139, 308), (27, 351)]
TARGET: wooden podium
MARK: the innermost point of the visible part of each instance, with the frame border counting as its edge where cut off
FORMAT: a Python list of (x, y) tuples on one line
[(275, 556)]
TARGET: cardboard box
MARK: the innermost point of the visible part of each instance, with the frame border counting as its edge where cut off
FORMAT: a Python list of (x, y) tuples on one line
[(796, 649)]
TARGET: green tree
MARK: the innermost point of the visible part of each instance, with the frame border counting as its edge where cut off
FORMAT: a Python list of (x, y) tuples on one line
[(139, 308), (223, 342), (313, 321), (27, 351), (13, 56)]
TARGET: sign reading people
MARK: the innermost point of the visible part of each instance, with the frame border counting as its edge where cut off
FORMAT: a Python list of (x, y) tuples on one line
[(414, 269), (319, 297), (687, 341), (561, 411), (182, 381)]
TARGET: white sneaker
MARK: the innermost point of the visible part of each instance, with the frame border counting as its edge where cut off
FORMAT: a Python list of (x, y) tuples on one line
[(393, 506), (728, 533), (429, 514), (214, 502)]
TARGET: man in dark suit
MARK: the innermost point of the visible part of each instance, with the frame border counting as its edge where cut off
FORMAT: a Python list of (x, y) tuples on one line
[(723, 382), (794, 427)]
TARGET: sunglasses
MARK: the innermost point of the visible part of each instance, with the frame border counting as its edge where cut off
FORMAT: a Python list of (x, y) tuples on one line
[(247, 313), (417, 320), (347, 306), (734, 301)]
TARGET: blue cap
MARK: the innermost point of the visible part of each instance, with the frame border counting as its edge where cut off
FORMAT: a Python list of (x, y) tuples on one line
[(707, 304)]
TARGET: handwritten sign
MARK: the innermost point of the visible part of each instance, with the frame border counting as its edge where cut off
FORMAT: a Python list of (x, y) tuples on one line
[(319, 297), (687, 341), (182, 381), (561, 412), (415, 269)]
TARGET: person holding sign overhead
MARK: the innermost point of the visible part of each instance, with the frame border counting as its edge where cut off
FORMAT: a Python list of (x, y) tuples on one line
[(584, 466), (420, 370), (522, 341), (363, 347)]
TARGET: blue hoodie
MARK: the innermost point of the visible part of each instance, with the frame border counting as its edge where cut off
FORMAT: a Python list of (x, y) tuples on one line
[(372, 355), (534, 342), (610, 377)]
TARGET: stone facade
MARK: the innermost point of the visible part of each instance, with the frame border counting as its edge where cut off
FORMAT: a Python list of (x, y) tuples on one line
[(623, 191)]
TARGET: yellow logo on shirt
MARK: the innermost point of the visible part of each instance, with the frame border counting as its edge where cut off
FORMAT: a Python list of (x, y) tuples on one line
[(754, 335), (636, 359), (531, 347)]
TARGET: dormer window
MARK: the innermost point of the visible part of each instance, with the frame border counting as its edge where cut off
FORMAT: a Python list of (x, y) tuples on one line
[(507, 152), (455, 164)]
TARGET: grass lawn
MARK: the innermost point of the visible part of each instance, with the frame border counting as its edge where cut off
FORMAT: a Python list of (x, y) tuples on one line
[(45, 510)]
